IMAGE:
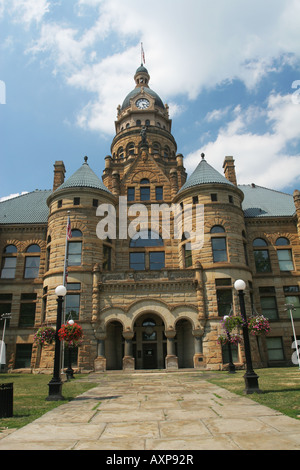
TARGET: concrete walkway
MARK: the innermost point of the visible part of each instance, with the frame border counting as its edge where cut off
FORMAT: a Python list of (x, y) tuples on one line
[(157, 411)]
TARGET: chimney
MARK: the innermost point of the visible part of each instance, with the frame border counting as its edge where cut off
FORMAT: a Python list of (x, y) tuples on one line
[(296, 196), (229, 170), (59, 174)]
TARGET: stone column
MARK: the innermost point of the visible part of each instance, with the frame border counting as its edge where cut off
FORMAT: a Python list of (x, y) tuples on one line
[(96, 292), (100, 361), (198, 356), (199, 289), (128, 359), (171, 358)]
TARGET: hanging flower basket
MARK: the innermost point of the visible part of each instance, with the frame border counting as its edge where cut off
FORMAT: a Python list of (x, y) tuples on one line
[(232, 339), (232, 321), (222, 339), (71, 334), (235, 339), (258, 325), (44, 335)]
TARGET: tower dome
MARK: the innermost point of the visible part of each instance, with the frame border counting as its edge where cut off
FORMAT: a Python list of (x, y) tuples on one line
[(142, 79)]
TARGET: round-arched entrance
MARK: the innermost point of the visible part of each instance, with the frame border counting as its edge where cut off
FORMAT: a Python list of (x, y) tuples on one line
[(149, 342), (185, 347), (114, 346)]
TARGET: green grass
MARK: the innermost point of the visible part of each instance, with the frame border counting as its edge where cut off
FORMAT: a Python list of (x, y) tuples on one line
[(280, 388), (30, 393)]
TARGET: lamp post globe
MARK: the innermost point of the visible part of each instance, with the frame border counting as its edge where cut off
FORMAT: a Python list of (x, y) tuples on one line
[(60, 291), (240, 285)]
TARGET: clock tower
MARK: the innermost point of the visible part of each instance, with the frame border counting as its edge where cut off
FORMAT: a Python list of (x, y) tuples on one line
[(143, 143)]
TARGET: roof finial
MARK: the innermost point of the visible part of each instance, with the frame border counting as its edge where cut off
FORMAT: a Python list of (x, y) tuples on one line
[(85, 159), (202, 156)]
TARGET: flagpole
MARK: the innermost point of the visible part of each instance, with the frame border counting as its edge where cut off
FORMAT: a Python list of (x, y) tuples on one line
[(68, 236), (142, 55)]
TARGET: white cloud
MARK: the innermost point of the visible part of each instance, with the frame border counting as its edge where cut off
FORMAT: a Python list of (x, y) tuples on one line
[(11, 196), (262, 158), (189, 45), (25, 11), (217, 114)]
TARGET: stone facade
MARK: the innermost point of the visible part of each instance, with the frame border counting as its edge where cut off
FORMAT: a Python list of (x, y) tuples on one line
[(157, 304)]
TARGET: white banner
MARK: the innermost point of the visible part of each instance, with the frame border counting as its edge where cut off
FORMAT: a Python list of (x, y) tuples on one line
[(2, 352)]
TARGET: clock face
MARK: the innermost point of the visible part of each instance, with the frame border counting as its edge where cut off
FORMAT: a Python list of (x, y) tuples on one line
[(142, 103)]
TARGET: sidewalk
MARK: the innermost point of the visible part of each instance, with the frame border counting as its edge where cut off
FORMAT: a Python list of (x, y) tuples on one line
[(157, 411)]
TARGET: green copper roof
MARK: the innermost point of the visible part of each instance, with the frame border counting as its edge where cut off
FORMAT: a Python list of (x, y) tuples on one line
[(262, 202), (30, 208), (205, 174), (84, 177)]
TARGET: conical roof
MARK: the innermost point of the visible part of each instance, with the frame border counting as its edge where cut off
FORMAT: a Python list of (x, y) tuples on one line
[(84, 177), (205, 174)]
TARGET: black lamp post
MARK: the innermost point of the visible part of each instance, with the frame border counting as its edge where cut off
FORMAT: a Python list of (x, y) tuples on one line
[(250, 377), (231, 366), (55, 384)]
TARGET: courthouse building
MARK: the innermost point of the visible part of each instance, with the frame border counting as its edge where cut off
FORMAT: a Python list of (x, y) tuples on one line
[(156, 301)]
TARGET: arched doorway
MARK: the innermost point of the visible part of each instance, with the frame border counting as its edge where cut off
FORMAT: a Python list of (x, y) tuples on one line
[(185, 344), (114, 346), (149, 342)]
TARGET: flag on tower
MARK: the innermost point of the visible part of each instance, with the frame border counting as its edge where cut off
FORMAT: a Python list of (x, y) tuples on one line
[(143, 54), (69, 232)]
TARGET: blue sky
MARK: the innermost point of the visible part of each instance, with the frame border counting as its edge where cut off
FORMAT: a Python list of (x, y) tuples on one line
[(226, 69)]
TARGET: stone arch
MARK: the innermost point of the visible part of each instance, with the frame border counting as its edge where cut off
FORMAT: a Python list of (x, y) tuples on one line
[(11, 241), (40, 243), (111, 314), (151, 306), (186, 312), (138, 176)]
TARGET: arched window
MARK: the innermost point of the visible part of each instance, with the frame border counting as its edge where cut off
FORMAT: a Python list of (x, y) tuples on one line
[(146, 251), (156, 148), (32, 262), (130, 148), (166, 152), (9, 262), (261, 256), (285, 256), (282, 241), (217, 229), (259, 242), (33, 249), (121, 152), (146, 238)]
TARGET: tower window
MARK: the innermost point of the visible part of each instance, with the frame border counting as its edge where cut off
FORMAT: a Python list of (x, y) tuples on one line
[(145, 190), (130, 194), (159, 193)]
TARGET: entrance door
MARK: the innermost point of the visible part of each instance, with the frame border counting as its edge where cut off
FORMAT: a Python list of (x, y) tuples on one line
[(149, 356)]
